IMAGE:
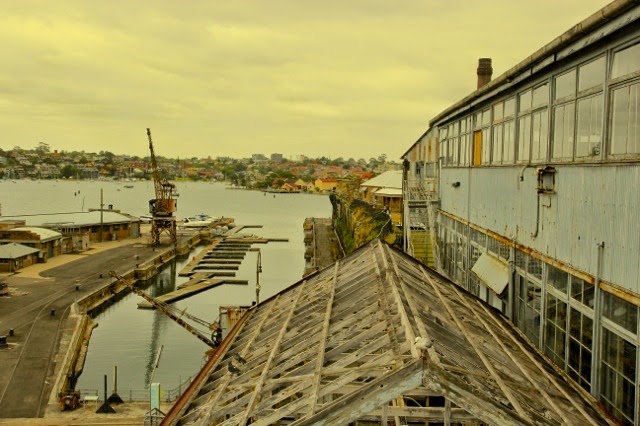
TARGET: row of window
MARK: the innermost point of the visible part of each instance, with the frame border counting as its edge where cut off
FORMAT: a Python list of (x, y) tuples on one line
[(558, 120), (555, 310)]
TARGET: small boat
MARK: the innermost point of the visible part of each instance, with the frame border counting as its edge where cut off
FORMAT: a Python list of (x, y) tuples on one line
[(198, 221)]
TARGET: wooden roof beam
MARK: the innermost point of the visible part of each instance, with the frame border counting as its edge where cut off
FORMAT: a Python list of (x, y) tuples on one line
[(370, 397), (274, 350), (476, 347), (323, 341)]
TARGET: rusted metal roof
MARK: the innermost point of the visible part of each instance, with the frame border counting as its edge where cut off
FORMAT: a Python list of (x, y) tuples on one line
[(378, 337)]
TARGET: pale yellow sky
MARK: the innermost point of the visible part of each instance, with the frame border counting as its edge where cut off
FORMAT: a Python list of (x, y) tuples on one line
[(334, 78)]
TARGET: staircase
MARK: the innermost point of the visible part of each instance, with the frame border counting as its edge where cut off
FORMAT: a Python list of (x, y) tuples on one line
[(421, 221)]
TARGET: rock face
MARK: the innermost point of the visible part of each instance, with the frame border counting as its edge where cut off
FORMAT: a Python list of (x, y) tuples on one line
[(357, 222)]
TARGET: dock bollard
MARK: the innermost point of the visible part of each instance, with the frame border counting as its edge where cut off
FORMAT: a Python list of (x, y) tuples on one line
[(11, 332), (53, 312)]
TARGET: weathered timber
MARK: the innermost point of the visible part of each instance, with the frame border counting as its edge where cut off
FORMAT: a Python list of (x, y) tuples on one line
[(188, 290)]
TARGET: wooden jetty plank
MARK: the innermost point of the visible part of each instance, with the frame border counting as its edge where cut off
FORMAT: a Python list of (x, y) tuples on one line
[(224, 256), (215, 266), (215, 273), (189, 290), (187, 270)]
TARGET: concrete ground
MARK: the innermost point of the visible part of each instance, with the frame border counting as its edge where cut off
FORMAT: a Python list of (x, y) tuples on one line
[(37, 309)]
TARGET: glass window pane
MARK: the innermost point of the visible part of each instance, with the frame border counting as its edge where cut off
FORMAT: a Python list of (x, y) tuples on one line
[(565, 85), (618, 374), (498, 111), (625, 128), (508, 146), (524, 101), (626, 61), (524, 138), (486, 146), (590, 118), (563, 128), (497, 144), (540, 136), (541, 95), (620, 311), (554, 343), (591, 75), (534, 267), (478, 120), (509, 107), (557, 278), (486, 117), (582, 291)]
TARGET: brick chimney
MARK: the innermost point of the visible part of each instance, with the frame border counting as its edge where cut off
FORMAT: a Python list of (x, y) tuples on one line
[(484, 71)]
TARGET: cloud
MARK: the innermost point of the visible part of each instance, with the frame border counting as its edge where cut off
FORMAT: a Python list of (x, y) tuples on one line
[(332, 78)]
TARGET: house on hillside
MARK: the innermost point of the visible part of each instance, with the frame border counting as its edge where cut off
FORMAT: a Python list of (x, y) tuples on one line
[(325, 185), (385, 191)]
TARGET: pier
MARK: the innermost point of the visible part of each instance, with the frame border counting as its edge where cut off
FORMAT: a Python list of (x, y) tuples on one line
[(199, 283)]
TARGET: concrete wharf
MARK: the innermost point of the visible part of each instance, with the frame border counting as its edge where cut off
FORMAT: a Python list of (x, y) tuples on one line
[(47, 308)]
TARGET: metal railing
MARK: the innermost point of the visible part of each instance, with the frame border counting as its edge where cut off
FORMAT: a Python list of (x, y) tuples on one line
[(141, 395)]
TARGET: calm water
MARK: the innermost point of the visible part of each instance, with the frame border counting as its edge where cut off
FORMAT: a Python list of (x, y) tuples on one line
[(129, 337)]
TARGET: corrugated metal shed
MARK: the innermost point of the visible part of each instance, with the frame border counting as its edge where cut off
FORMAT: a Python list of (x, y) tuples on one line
[(44, 233), (15, 251), (376, 337)]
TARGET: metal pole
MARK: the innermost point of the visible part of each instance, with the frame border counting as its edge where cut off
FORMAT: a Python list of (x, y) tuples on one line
[(101, 217), (258, 270), (153, 372)]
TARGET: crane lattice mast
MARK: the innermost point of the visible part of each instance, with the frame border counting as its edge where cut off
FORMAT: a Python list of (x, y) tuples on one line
[(164, 205)]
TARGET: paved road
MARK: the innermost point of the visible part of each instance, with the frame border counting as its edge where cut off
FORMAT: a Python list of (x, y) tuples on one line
[(37, 311)]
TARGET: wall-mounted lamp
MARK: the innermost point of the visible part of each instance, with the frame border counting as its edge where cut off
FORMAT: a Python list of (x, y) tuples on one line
[(455, 184)]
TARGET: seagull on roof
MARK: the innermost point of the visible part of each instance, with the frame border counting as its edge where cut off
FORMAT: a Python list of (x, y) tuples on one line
[(233, 369)]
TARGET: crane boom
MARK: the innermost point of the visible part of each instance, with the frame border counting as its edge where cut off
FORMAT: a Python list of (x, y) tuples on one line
[(154, 168), (160, 306)]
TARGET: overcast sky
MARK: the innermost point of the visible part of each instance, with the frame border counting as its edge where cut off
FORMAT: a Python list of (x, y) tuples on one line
[(334, 78)]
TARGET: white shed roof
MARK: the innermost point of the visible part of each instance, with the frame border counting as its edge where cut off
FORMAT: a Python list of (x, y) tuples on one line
[(44, 233), (389, 179), (77, 219), (388, 192), (15, 251)]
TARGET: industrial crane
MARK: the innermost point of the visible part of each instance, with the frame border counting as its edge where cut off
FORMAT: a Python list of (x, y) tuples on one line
[(216, 335), (164, 205)]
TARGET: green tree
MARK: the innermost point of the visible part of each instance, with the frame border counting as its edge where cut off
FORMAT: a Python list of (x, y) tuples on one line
[(69, 171)]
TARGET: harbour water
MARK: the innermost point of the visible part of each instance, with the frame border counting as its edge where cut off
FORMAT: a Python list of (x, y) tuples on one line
[(130, 338)]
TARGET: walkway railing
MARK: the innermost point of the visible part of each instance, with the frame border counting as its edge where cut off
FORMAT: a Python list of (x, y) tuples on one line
[(141, 395)]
